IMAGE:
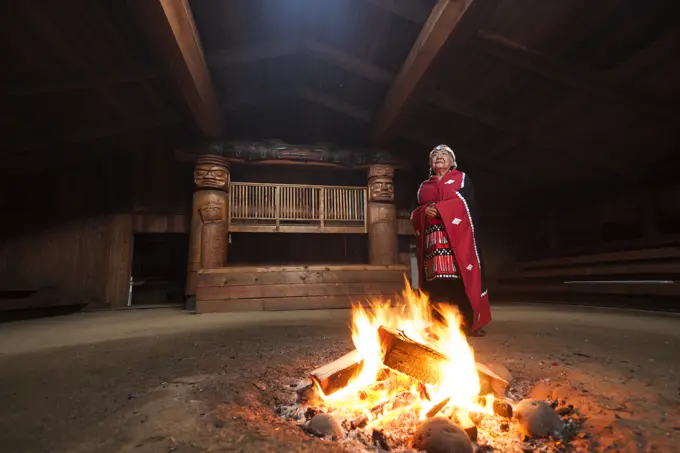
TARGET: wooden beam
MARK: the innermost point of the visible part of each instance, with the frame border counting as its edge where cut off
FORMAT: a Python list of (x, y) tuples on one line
[(531, 60), (588, 159), (441, 23), (171, 28), (413, 10)]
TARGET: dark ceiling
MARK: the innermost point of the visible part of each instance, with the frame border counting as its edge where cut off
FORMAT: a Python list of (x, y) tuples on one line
[(533, 95)]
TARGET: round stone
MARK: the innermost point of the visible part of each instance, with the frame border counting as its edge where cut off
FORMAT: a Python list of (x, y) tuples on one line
[(440, 435), (537, 418), (324, 425)]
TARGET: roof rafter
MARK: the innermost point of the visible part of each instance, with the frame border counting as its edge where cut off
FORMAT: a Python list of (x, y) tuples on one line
[(445, 17), (511, 127), (531, 60), (171, 28)]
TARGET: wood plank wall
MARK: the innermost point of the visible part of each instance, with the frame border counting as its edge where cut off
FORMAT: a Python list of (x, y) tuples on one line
[(295, 287), (71, 233)]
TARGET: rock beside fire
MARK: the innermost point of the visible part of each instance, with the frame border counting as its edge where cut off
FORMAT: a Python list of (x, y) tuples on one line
[(440, 435), (324, 425), (537, 418)]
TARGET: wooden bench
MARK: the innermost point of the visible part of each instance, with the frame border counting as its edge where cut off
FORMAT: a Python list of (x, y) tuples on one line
[(634, 272)]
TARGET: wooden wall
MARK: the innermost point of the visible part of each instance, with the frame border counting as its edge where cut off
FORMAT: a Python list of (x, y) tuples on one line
[(642, 215), (70, 232)]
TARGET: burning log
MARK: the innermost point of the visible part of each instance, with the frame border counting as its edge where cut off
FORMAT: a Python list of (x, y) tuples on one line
[(419, 361), (463, 420), (409, 357), (437, 407), (337, 374)]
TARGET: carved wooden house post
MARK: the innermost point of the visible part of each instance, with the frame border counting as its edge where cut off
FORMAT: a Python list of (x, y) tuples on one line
[(382, 218), (209, 227)]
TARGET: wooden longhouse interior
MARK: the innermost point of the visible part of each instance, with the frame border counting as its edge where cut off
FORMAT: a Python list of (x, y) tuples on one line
[(564, 114), (197, 195)]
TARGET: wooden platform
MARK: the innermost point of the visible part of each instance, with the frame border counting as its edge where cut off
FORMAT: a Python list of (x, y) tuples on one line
[(294, 287)]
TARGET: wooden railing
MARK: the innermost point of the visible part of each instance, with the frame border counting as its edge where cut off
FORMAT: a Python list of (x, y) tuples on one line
[(293, 208)]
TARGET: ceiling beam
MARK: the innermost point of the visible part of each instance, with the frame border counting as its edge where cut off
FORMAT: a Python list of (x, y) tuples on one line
[(442, 21), (171, 29), (413, 10), (531, 60), (507, 125)]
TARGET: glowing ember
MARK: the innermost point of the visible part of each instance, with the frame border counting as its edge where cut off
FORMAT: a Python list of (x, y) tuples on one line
[(376, 396)]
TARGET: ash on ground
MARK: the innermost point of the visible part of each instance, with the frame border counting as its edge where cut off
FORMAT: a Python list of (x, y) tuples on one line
[(397, 426)]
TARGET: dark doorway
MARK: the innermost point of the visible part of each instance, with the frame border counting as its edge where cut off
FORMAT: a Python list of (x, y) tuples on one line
[(159, 264)]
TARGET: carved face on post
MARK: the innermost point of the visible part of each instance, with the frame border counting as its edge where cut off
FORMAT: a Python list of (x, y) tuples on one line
[(212, 212), (211, 176), (380, 185), (381, 189)]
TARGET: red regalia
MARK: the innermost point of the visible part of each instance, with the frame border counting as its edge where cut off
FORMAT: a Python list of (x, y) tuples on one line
[(448, 246)]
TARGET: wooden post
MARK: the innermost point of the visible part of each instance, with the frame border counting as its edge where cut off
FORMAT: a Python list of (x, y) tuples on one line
[(209, 221), (382, 217)]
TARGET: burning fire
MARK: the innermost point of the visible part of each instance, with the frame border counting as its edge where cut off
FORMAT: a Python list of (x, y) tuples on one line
[(457, 385)]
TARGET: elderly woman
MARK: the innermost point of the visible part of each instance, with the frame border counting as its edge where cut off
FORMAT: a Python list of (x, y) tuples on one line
[(449, 261)]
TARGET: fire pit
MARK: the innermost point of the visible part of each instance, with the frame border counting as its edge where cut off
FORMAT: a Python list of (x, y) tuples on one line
[(412, 383)]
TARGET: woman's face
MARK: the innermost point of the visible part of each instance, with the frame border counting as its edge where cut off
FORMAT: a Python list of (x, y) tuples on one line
[(441, 161)]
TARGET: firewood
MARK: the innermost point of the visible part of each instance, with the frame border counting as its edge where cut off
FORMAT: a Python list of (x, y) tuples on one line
[(437, 407), (409, 357), (463, 420), (420, 361), (337, 374)]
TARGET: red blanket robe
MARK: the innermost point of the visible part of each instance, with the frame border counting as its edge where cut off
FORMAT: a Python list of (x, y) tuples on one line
[(454, 199)]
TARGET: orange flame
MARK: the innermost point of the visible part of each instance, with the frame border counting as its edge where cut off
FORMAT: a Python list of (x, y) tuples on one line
[(459, 380)]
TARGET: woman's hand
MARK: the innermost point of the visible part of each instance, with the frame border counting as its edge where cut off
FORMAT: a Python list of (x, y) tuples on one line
[(431, 212)]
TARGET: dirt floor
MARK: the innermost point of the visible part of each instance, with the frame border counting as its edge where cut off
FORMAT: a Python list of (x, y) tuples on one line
[(164, 380)]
